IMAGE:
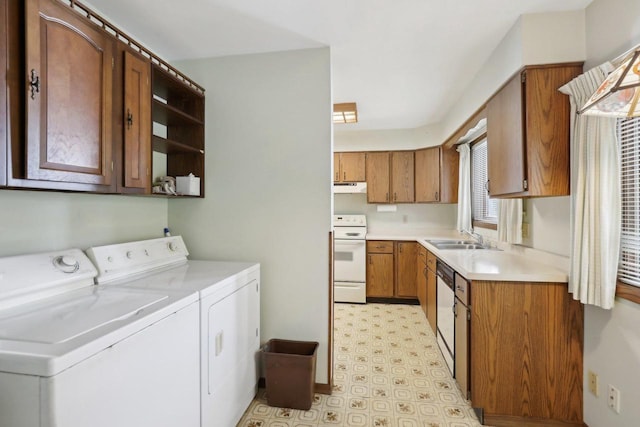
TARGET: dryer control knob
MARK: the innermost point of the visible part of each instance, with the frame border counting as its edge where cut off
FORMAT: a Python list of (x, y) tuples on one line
[(129, 254), (173, 247), (66, 264)]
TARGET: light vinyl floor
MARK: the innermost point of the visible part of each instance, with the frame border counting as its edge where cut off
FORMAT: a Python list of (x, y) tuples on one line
[(388, 372)]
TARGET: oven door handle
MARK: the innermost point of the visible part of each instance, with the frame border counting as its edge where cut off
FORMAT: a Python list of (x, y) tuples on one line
[(350, 242)]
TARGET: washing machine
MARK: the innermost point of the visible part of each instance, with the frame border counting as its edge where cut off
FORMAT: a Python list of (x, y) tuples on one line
[(229, 302), (73, 354)]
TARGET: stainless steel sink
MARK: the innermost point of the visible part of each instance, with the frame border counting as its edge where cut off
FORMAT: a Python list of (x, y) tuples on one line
[(436, 242), (460, 246)]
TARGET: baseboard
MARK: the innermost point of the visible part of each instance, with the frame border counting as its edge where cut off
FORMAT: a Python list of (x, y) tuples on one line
[(512, 421), (384, 300)]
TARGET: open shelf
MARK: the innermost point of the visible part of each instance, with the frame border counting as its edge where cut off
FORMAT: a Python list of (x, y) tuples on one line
[(168, 146), (167, 115)]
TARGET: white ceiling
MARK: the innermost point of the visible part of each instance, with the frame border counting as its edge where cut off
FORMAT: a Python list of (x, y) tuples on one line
[(403, 61)]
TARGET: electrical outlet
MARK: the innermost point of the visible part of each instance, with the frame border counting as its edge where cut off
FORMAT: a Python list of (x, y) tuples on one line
[(614, 399), (593, 383)]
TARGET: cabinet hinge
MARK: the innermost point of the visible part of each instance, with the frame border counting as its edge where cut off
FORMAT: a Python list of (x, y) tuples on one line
[(525, 185), (523, 77), (469, 315)]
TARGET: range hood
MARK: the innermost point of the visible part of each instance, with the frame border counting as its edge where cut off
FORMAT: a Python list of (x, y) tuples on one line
[(350, 187)]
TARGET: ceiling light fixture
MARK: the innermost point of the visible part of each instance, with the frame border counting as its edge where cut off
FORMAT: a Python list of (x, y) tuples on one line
[(345, 113), (619, 94)]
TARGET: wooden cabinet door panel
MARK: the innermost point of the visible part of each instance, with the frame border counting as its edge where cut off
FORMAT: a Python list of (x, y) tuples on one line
[(506, 149), (69, 65), (402, 177), (428, 175), (4, 137), (137, 122), (462, 348), (352, 167), (380, 275), (336, 167), (432, 303), (406, 266), (421, 278), (377, 171)]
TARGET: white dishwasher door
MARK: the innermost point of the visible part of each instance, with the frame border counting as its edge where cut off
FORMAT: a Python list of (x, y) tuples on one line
[(446, 322)]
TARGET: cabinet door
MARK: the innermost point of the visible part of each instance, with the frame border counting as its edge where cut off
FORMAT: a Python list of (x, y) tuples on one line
[(4, 140), (402, 177), (336, 167), (352, 167), (377, 170), (69, 94), (380, 275), (432, 302), (421, 278), (137, 122), (428, 175), (406, 269), (506, 148), (462, 347)]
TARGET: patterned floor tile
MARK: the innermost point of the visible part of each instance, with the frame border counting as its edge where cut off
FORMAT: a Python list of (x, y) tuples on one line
[(388, 372)]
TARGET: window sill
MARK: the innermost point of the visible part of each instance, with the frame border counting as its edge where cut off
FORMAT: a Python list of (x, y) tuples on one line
[(483, 224), (628, 292)]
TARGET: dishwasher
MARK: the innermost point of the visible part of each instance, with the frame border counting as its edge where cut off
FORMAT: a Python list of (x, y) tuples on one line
[(445, 313), (462, 313)]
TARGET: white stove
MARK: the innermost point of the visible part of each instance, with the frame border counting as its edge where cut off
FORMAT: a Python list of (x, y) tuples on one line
[(350, 254), (229, 320), (74, 354)]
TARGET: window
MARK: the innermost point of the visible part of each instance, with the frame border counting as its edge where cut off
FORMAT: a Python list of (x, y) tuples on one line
[(629, 139), (485, 210)]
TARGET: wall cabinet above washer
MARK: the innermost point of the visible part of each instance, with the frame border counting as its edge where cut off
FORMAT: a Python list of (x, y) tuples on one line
[(78, 104)]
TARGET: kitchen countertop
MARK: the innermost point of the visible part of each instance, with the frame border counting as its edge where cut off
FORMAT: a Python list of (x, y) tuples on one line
[(479, 264)]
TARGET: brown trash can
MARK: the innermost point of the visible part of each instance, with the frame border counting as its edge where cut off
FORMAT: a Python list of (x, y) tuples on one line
[(290, 373)]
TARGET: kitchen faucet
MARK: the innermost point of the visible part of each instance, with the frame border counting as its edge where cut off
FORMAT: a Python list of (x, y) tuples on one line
[(476, 236)]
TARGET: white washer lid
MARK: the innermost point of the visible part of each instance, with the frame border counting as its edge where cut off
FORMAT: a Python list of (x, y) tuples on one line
[(58, 320)]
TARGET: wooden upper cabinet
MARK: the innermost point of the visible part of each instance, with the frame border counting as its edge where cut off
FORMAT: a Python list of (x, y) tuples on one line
[(137, 122), (68, 77), (449, 174), (402, 177), (528, 133), (378, 174), (349, 167), (428, 175)]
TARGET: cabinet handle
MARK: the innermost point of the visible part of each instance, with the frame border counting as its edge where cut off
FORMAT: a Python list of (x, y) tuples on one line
[(337, 176), (387, 197), (344, 176), (129, 119), (437, 196), (486, 187), (395, 197), (370, 262), (400, 247), (34, 83)]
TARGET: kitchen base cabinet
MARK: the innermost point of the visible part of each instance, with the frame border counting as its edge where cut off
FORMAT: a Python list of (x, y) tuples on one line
[(526, 353), (432, 302), (391, 269), (405, 259), (380, 278), (421, 278)]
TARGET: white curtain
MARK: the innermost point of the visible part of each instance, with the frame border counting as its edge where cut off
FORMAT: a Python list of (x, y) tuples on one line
[(464, 188), (510, 220), (596, 196)]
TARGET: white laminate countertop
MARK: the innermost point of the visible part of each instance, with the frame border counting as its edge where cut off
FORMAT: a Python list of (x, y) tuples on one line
[(479, 264)]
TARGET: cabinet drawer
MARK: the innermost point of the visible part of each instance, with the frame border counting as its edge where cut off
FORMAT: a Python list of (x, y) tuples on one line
[(422, 254), (431, 261), (380, 246)]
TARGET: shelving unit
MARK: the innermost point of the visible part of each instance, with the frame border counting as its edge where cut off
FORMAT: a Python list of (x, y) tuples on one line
[(178, 105)]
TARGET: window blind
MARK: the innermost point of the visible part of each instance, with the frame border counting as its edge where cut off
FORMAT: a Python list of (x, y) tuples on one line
[(484, 209), (629, 139)]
